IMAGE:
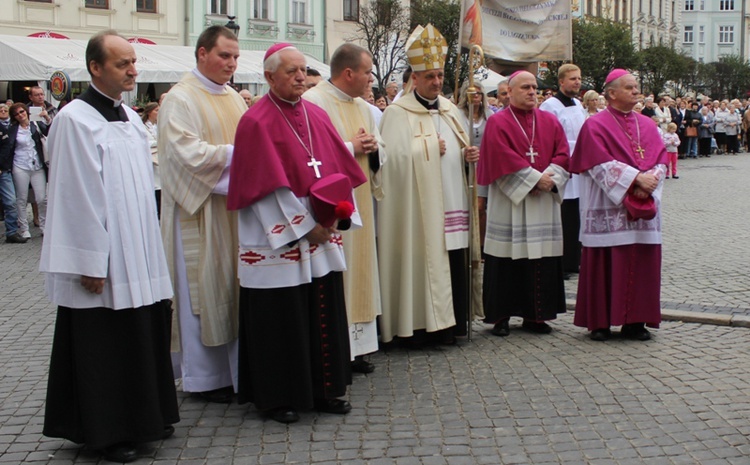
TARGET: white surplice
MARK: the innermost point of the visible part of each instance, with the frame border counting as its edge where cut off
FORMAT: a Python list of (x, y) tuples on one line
[(271, 259), (104, 170)]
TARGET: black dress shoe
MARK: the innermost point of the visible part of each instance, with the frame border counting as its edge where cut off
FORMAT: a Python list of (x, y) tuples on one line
[(360, 365), (501, 328), (337, 406), (283, 415), (600, 334), (168, 432), (538, 327), (124, 452), (219, 396), (635, 331), (16, 239)]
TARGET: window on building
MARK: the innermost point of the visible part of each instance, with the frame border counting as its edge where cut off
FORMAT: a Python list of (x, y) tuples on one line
[(262, 9), (624, 10), (299, 11), (40, 1), (351, 10), (599, 9), (617, 10), (689, 5), (218, 7), (701, 34), (702, 5), (145, 6), (726, 5), (688, 38), (97, 4), (726, 34)]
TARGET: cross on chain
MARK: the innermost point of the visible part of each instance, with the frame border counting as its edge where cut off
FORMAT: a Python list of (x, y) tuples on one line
[(532, 154), (640, 151), (313, 163)]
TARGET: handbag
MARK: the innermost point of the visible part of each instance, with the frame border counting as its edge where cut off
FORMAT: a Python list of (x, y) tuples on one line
[(43, 138), (691, 131)]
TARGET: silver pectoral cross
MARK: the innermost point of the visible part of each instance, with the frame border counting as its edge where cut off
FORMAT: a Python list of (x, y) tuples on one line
[(313, 163), (532, 154)]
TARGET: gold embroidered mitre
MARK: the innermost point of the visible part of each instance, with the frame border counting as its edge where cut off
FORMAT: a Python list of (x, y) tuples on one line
[(426, 49)]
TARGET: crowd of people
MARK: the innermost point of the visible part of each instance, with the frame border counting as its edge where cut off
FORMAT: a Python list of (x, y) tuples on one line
[(260, 247)]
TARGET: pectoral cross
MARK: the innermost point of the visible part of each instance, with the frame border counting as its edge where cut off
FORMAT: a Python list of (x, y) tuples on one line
[(531, 154), (640, 151), (313, 163)]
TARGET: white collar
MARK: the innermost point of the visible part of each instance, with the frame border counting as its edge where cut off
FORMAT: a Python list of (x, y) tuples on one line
[(431, 102), (210, 85), (340, 93), (115, 102)]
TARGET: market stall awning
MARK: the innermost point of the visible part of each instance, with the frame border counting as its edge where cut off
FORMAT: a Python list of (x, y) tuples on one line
[(35, 59)]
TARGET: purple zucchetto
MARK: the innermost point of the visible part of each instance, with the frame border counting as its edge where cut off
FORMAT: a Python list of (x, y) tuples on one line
[(615, 74)]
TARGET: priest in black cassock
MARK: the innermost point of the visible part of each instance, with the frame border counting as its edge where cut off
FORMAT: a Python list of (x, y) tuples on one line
[(294, 342), (111, 385)]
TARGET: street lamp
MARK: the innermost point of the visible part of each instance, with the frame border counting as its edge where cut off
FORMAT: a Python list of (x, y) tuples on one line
[(232, 26)]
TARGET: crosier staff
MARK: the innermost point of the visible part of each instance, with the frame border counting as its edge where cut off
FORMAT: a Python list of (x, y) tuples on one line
[(476, 60)]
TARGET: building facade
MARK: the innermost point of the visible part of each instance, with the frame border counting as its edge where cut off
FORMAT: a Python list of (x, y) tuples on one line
[(652, 22), (159, 21), (714, 28), (263, 23)]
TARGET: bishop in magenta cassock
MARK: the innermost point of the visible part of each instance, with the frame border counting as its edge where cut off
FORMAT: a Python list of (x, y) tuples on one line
[(294, 343), (622, 163), (524, 159)]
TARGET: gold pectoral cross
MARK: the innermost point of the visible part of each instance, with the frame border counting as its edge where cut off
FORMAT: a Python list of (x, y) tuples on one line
[(640, 151)]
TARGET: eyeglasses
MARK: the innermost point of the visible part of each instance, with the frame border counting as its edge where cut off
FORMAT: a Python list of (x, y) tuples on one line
[(3, 109), (18, 113)]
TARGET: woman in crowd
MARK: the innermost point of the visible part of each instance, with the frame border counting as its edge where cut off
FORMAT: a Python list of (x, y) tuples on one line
[(705, 133), (149, 117), (24, 147), (720, 130), (693, 120), (731, 127), (591, 103)]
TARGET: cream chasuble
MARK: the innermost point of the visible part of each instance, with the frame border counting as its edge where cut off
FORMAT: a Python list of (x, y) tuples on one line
[(415, 231), (361, 283), (195, 127)]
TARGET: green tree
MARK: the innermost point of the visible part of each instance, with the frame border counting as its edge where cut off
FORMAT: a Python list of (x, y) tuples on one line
[(445, 15), (731, 77), (599, 45), (658, 65), (383, 26)]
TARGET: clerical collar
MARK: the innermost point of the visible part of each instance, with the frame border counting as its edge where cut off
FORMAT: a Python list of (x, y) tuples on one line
[(620, 112), (340, 93), (115, 102), (112, 110), (273, 96), (564, 99), (429, 104), (520, 111), (211, 86)]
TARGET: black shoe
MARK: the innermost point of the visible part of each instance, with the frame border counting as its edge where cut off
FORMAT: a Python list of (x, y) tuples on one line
[(16, 239), (337, 406), (600, 334), (283, 415), (536, 327), (501, 328), (168, 432), (219, 396), (124, 452), (675, 177), (635, 331), (360, 365)]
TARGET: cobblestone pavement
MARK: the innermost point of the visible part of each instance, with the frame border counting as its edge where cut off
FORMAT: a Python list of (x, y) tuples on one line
[(681, 398)]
